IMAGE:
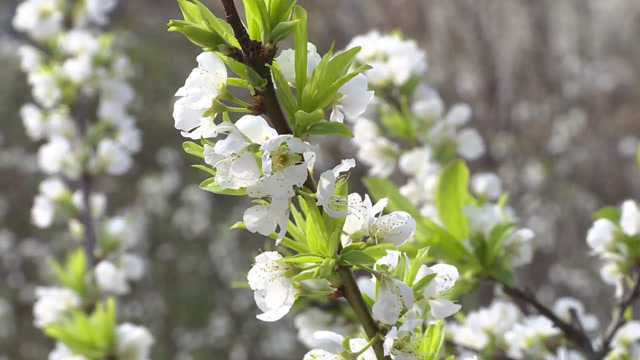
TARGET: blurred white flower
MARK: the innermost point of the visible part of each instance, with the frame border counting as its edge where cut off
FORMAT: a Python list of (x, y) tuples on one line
[(41, 19), (601, 235), (354, 101), (630, 218), (564, 307), (487, 185), (133, 342), (111, 279), (53, 304), (61, 352), (470, 144)]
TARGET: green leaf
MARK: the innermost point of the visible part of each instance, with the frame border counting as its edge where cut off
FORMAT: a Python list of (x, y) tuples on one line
[(357, 257), (92, 336), (205, 169), (315, 230), (303, 259), (301, 40), (219, 26), (305, 120), (199, 35), (432, 342), (243, 71), (283, 30), (283, 91), (451, 198), (211, 186), (73, 274), (383, 188), (252, 16), (190, 11), (610, 213), (330, 129), (638, 157), (193, 148)]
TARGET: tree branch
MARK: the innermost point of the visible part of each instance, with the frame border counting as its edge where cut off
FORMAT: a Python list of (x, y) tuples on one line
[(258, 56), (352, 293), (81, 114), (573, 334), (618, 319)]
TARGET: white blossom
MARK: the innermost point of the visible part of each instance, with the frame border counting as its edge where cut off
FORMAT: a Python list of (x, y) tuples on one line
[(444, 280), (365, 220), (487, 185), (53, 304), (394, 61), (470, 144), (287, 62), (519, 246), (630, 218), (392, 299), (41, 19), (45, 88), (112, 158), (111, 279), (98, 10), (61, 352), (354, 101), (201, 88), (526, 337), (30, 58), (133, 342), (333, 204), (274, 292), (601, 235)]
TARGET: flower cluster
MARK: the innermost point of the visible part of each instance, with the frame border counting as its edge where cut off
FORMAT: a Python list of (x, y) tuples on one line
[(80, 116), (323, 234), (614, 237)]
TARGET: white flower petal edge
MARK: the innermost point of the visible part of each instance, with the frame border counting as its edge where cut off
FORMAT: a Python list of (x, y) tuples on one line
[(274, 293), (393, 297), (334, 205)]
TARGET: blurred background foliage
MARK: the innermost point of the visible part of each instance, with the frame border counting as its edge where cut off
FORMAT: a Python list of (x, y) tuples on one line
[(554, 89)]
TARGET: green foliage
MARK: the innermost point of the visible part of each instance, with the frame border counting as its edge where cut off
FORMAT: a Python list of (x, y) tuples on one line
[(203, 28), (211, 185), (93, 336), (610, 213), (73, 273), (194, 149), (269, 21), (244, 71), (301, 57), (330, 129), (432, 341), (442, 243), (451, 198)]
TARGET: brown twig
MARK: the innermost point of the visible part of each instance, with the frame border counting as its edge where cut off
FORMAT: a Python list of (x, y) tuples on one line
[(618, 319), (573, 334)]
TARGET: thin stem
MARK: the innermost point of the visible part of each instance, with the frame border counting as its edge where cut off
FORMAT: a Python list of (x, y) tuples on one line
[(81, 114), (573, 334), (257, 56), (618, 319), (354, 297)]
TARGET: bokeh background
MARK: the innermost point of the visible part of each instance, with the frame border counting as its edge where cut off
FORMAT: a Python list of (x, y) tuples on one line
[(554, 85)]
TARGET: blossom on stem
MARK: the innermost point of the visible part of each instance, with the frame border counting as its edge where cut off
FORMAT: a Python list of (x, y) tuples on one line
[(274, 292), (201, 89), (332, 203)]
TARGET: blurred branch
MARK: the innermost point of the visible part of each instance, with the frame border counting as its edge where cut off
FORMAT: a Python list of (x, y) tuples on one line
[(619, 319), (81, 114), (574, 334)]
